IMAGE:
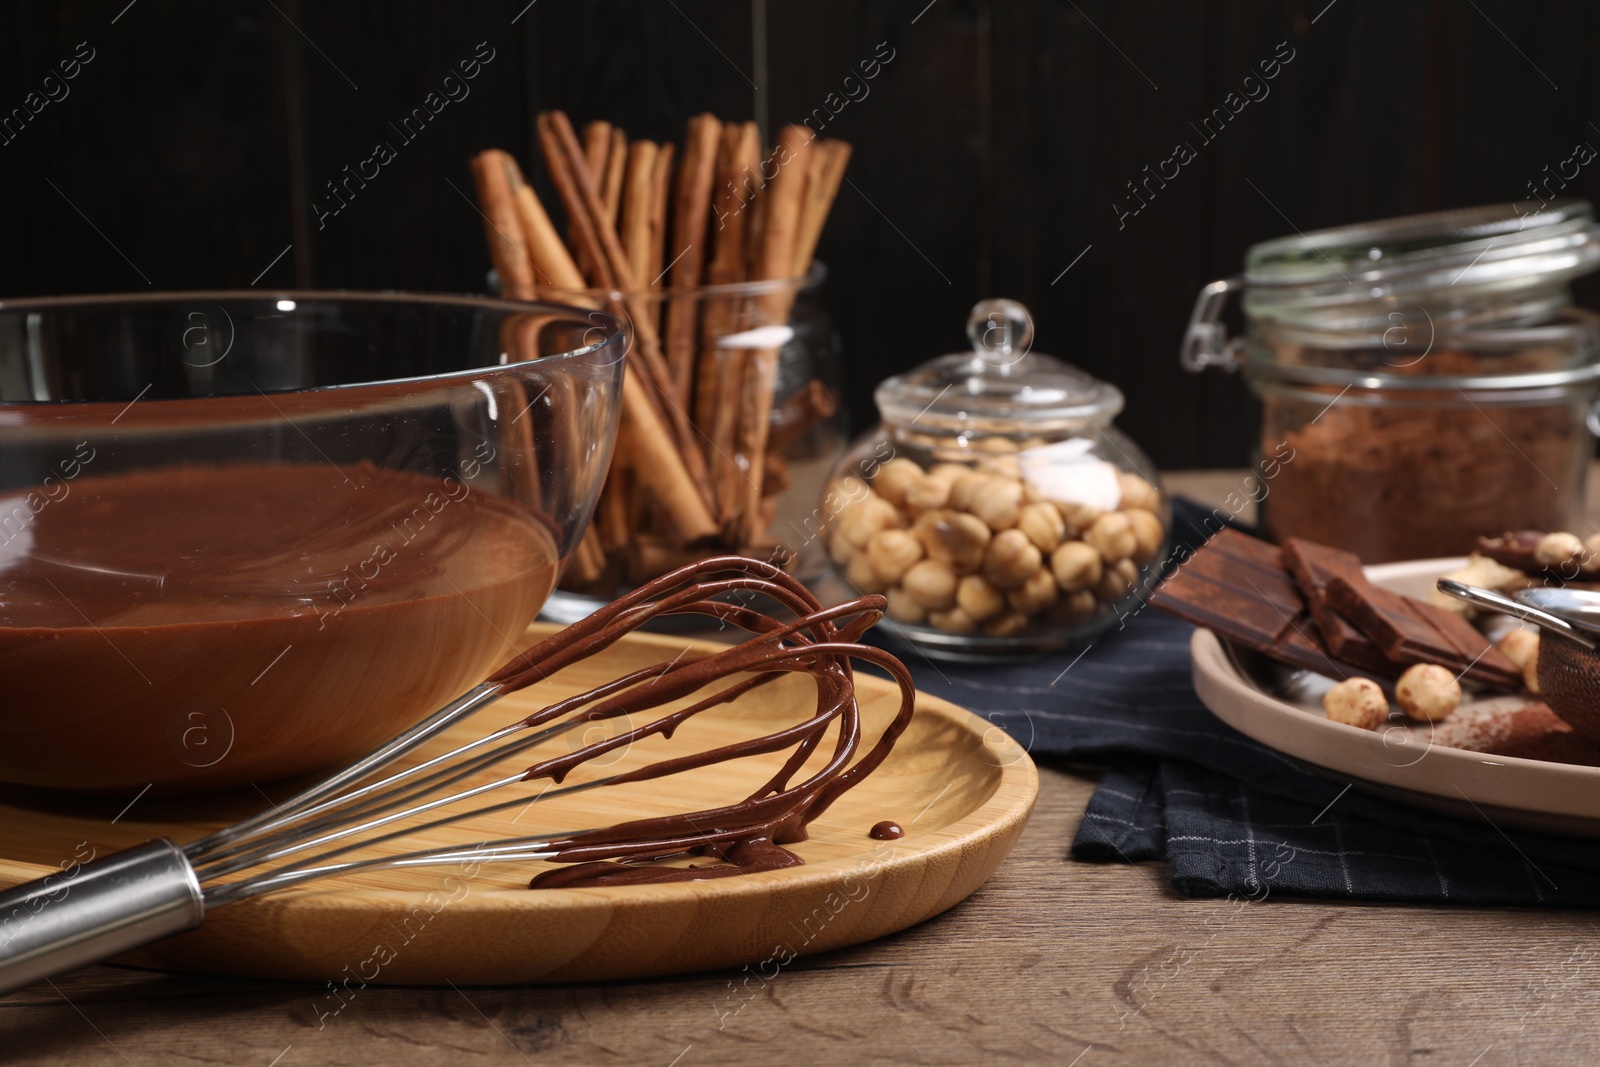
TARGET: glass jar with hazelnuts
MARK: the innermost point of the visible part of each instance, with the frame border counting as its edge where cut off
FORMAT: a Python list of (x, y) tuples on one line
[(996, 506)]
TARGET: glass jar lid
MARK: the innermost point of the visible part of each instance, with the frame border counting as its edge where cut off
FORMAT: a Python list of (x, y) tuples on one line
[(1491, 267), (1499, 262), (1000, 387)]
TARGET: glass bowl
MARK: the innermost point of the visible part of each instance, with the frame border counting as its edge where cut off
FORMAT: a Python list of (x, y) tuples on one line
[(244, 535)]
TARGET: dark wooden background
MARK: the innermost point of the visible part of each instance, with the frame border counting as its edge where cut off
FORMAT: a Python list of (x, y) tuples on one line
[(989, 151)]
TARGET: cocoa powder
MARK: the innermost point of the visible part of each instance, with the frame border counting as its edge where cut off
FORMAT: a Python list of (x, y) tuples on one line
[(1391, 483)]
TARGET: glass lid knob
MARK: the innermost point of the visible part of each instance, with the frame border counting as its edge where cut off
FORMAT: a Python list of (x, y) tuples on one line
[(1001, 332)]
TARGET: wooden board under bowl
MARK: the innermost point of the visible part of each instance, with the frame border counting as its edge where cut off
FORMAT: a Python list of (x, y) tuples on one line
[(961, 788)]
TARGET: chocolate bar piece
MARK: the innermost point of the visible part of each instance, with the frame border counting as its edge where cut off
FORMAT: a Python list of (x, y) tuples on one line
[(1236, 586), (1298, 646), (1240, 614), (1410, 631), (1314, 566), (1223, 563)]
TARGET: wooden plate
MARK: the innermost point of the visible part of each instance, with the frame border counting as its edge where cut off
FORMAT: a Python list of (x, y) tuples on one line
[(961, 788), (1284, 712)]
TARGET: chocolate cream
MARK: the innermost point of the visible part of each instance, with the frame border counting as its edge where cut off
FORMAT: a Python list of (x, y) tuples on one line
[(209, 625)]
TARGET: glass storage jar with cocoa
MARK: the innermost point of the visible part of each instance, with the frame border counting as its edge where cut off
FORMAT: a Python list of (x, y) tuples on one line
[(1421, 381), (996, 506)]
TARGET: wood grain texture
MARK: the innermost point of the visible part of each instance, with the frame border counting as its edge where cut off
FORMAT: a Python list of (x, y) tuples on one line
[(1048, 961), (960, 788)]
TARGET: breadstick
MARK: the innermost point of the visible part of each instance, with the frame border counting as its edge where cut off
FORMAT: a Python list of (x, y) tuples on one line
[(687, 253), (616, 166), (785, 194), (660, 198), (501, 227), (638, 191)]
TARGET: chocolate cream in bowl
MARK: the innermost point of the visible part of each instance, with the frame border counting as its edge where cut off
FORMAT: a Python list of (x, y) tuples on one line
[(200, 626)]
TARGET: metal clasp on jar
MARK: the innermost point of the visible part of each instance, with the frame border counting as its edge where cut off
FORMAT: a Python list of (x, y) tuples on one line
[(1206, 343)]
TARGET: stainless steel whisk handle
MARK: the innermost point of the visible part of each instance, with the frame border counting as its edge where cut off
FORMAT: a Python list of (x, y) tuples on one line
[(103, 908)]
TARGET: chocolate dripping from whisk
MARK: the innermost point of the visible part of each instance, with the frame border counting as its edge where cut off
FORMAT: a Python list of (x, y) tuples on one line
[(776, 812)]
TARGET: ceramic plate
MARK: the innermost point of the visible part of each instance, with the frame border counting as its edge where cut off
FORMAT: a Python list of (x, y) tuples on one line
[(1282, 709)]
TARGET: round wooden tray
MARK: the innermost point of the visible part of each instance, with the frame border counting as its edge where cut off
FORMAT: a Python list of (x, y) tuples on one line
[(961, 788)]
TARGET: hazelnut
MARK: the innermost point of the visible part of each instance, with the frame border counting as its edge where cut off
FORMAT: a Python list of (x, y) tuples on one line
[(997, 502), (1520, 645), (1138, 493), (1044, 526), (978, 598), (1118, 581), (1427, 691), (927, 494), (891, 553), (1530, 670), (1001, 466), (1111, 535), (1148, 534), (964, 487), (1076, 606), (1591, 559), (995, 444), (931, 584), (861, 574), (851, 491), (1078, 516), (1076, 566), (860, 522), (1357, 702), (895, 478), (954, 621), (1010, 624), (840, 550), (947, 472), (903, 607), (954, 538), (1558, 549), (1036, 594), (1011, 559)]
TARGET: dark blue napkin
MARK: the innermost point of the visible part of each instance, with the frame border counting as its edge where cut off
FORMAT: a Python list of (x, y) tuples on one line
[(1228, 815)]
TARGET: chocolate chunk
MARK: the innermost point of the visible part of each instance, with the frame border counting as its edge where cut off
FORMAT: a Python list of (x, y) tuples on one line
[(1239, 614), (1242, 546), (1314, 566), (1234, 572), (1514, 549), (1236, 586), (1298, 647), (1410, 631)]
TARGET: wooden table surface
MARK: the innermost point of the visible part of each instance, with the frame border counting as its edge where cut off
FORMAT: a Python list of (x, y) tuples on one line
[(1052, 961)]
